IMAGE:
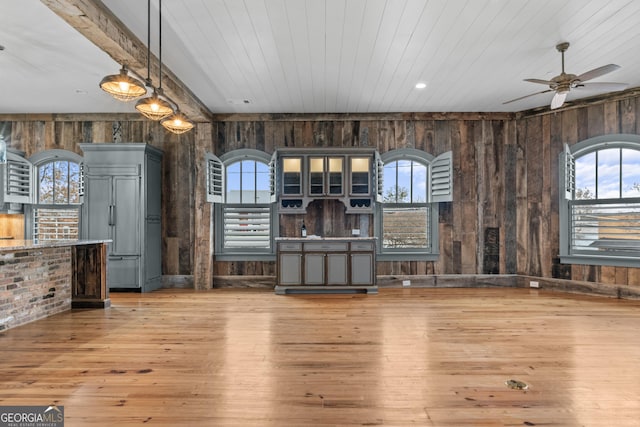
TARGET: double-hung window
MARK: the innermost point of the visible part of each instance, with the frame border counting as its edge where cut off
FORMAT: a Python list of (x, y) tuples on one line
[(600, 201), (407, 215), (240, 185), (55, 215)]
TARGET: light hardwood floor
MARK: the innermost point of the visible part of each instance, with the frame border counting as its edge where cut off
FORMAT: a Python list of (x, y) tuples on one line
[(426, 357)]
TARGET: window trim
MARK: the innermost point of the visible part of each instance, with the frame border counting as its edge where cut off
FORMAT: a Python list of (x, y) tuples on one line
[(442, 192), (566, 162), (226, 254)]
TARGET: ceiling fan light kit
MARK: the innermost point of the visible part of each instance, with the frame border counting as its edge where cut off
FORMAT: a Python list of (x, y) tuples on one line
[(563, 83)]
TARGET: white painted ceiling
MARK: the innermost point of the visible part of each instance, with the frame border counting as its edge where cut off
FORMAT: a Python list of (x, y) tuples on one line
[(327, 56)]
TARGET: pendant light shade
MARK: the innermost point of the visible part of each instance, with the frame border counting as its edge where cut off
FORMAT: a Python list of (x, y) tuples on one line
[(154, 107), (122, 86), (177, 123)]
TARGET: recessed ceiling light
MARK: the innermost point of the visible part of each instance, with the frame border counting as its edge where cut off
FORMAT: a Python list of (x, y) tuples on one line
[(421, 85), (238, 101)]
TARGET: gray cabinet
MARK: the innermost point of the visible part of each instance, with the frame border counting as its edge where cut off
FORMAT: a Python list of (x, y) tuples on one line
[(290, 263), (326, 265), (123, 203), (351, 175)]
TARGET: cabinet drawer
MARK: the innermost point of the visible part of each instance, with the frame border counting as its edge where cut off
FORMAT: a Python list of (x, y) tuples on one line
[(123, 272), (290, 246), (326, 246), (361, 246)]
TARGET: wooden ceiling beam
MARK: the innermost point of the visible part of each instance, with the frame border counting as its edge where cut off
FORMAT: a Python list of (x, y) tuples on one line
[(99, 25)]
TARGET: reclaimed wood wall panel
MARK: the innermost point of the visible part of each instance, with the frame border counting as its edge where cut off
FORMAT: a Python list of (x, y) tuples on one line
[(509, 248), (32, 134), (505, 172), (201, 212), (553, 130), (460, 222)]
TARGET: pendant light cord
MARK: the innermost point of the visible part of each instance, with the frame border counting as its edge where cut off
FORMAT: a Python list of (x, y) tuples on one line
[(160, 41), (149, 42)]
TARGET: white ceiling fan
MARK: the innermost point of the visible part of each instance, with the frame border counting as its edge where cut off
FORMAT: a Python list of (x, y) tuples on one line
[(564, 82)]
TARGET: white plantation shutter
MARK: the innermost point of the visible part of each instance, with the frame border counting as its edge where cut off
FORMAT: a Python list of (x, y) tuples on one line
[(441, 178), (272, 178), (81, 176), (18, 180), (379, 178), (247, 226), (215, 179), (569, 172)]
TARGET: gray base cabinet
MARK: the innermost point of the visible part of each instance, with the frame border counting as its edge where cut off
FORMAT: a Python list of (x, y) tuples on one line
[(122, 202), (326, 265)]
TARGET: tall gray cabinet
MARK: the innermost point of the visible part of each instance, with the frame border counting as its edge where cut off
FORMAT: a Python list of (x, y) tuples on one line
[(122, 203)]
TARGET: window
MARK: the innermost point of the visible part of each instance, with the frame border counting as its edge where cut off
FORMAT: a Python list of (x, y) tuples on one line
[(55, 215), (241, 186), (600, 207), (413, 183)]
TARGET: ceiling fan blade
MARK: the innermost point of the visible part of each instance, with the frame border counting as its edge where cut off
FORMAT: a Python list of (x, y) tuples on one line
[(605, 86), (558, 100), (527, 96), (542, 82), (597, 72)]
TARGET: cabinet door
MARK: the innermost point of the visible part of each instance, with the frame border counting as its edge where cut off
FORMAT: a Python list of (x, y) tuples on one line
[(125, 217), (360, 169), (362, 269), (325, 176), (316, 176), (335, 173), (123, 272), (97, 208), (292, 176), (314, 269), (337, 269), (290, 269)]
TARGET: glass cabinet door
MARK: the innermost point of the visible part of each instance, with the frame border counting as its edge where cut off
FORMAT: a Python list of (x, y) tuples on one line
[(360, 171), (316, 176), (326, 176), (335, 172), (292, 176)]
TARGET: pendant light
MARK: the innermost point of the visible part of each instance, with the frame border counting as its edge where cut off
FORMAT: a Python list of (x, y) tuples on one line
[(154, 107), (122, 86), (177, 123)]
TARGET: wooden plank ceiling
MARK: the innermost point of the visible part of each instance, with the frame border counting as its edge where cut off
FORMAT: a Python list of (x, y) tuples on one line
[(344, 56)]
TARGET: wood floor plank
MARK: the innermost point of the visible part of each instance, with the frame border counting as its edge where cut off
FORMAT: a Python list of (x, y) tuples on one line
[(428, 357)]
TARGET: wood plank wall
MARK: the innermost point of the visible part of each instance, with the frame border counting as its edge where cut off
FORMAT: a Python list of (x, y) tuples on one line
[(482, 147), (505, 180), (540, 140), (34, 133)]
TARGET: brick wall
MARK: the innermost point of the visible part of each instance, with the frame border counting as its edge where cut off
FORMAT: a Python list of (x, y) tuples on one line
[(34, 283)]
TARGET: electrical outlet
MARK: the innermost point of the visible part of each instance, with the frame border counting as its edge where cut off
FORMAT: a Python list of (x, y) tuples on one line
[(355, 232), (406, 283), (534, 284)]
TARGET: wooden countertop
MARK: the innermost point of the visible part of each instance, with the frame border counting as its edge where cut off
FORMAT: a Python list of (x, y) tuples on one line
[(17, 244)]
